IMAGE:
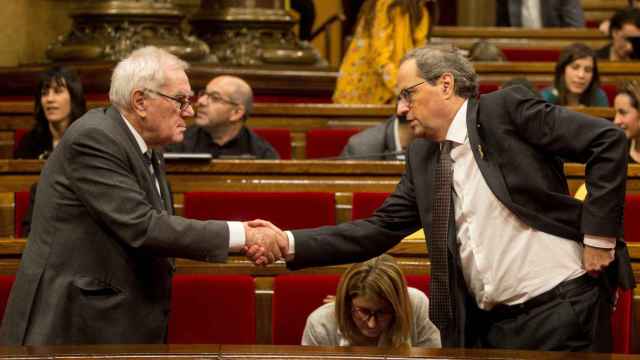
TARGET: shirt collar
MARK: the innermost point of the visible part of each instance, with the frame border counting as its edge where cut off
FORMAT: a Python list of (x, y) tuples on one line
[(139, 140), (457, 132)]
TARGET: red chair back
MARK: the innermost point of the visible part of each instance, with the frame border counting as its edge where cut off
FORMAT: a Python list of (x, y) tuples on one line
[(622, 321), (295, 297), (364, 204), (21, 205), (6, 282), (631, 216), (611, 90), (531, 54), (17, 137), (287, 210), (280, 139), (325, 143), (213, 309)]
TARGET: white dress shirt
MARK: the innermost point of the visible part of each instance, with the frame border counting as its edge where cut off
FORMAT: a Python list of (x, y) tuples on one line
[(531, 15), (236, 229)]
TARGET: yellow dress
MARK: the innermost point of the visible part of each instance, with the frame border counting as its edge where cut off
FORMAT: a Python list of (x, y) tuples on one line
[(370, 66)]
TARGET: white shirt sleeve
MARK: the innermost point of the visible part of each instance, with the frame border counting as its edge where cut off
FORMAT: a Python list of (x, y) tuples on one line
[(237, 238)]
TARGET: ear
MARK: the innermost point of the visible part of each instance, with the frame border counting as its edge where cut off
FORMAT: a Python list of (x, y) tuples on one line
[(139, 103), (237, 113), (447, 84)]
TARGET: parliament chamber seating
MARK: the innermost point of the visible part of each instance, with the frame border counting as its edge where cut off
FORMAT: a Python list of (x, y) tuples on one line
[(533, 54), (632, 217), (6, 282), (17, 136), (327, 143), (287, 210), (21, 206), (212, 309), (296, 296), (364, 204), (280, 139)]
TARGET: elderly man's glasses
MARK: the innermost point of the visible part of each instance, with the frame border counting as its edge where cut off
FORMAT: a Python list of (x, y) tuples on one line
[(183, 100), (215, 97), (365, 315), (406, 94)]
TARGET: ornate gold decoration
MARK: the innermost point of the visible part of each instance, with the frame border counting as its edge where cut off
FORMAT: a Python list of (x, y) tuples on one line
[(110, 30), (251, 32)]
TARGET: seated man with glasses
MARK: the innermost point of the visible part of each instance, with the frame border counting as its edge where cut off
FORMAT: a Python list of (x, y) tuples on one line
[(373, 307), (222, 110)]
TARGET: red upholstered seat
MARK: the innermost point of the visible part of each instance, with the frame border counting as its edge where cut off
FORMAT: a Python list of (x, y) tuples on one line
[(17, 137), (297, 296), (531, 54), (611, 90), (280, 139), (485, 88), (287, 210), (326, 143), (6, 282), (621, 322), (213, 309), (364, 204), (631, 216), (21, 204)]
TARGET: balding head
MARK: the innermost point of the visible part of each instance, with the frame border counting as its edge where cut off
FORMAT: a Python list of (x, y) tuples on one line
[(237, 90)]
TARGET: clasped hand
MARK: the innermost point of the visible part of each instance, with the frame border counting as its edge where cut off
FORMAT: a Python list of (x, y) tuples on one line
[(265, 242)]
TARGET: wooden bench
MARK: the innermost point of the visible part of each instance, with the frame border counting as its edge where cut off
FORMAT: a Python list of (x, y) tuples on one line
[(296, 117)]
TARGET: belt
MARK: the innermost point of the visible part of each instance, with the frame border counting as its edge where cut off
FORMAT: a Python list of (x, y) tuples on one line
[(566, 288)]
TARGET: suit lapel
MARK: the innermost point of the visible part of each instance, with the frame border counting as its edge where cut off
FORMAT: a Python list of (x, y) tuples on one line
[(483, 155)]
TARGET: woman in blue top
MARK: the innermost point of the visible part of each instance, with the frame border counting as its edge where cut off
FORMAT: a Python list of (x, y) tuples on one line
[(576, 81)]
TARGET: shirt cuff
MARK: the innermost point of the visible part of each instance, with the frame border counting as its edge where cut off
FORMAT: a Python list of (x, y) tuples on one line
[(602, 242), (237, 238), (292, 243)]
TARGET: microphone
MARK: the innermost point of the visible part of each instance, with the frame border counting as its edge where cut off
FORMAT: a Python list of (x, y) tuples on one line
[(363, 156)]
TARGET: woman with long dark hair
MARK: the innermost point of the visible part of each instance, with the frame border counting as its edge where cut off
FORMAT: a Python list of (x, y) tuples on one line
[(59, 101), (576, 81)]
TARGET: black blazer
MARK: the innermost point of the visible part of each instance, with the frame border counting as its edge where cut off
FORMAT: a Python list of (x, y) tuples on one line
[(516, 141)]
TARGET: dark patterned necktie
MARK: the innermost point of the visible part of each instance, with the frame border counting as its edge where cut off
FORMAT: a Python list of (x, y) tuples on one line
[(153, 170), (440, 309)]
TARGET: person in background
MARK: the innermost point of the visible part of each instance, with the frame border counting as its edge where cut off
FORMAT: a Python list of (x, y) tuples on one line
[(539, 13), (385, 31), (624, 24), (483, 50), (99, 262), (605, 24), (307, 11), (576, 81), (59, 101), (386, 141), (222, 111), (627, 117), (373, 307)]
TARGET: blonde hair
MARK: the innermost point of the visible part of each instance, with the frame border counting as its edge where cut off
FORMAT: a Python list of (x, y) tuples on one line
[(377, 278)]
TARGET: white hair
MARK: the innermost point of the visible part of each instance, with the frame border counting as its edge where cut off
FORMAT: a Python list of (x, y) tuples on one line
[(143, 68)]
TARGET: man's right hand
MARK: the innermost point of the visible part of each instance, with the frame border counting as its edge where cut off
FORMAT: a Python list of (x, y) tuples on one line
[(265, 242)]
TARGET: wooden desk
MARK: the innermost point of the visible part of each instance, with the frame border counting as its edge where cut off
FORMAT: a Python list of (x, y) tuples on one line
[(270, 352)]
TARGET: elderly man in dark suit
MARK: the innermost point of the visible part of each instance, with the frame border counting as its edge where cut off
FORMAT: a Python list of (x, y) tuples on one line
[(98, 264), (516, 262)]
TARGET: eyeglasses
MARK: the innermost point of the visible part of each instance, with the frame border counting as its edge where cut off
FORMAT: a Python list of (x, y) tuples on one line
[(406, 94), (365, 315), (215, 97), (183, 100)]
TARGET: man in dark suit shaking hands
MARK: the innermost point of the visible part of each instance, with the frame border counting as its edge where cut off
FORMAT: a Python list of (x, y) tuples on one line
[(98, 264), (516, 262)]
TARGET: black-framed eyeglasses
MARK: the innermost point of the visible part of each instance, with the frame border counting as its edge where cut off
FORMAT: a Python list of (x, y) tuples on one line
[(215, 97), (183, 101), (365, 315), (406, 94)]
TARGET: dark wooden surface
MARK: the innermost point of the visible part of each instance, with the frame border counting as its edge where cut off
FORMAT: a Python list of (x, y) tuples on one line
[(260, 352)]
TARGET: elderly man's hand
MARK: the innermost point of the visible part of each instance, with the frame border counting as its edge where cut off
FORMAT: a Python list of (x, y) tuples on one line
[(265, 243), (596, 259)]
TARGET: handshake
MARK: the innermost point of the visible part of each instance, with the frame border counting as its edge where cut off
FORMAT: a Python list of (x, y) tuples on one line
[(265, 242)]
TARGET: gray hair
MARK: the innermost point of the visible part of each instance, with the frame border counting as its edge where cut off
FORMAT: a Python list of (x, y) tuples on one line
[(433, 61), (143, 68)]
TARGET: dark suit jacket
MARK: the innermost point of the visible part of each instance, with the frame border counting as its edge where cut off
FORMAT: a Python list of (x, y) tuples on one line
[(96, 268), (375, 143), (515, 141), (554, 13)]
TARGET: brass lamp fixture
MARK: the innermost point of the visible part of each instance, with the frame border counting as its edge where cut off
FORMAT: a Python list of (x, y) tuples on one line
[(111, 29), (252, 32)]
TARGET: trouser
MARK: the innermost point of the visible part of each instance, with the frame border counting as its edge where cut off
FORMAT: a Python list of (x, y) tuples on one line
[(573, 316)]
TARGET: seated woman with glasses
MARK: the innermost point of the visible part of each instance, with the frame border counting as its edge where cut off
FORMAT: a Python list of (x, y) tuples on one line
[(373, 307)]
